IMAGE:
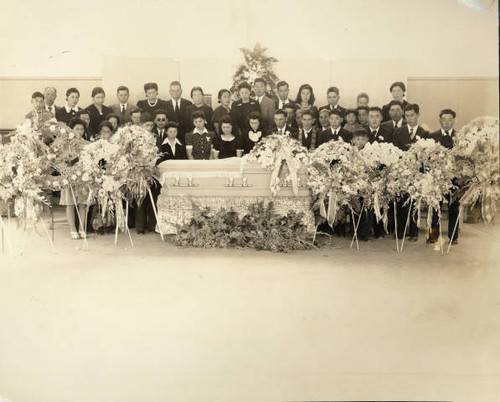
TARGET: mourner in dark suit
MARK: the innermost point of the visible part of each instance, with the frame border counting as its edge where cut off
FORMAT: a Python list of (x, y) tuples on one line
[(397, 90), (66, 113), (335, 132), (283, 91), (176, 108), (123, 109), (152, 101), (403, 138), (159, 130), (308, 135), (171, 147), (333, 96), (145, 219), (97, 110), (396, 113), (280, 124), (243, 107), (376, 133), (445, 136)]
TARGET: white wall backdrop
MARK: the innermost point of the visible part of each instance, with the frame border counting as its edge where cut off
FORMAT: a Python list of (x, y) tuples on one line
[(68, 38), (357, 45)]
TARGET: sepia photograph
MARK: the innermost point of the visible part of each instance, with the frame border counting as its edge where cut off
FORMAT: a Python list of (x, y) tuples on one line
[(249, 201)]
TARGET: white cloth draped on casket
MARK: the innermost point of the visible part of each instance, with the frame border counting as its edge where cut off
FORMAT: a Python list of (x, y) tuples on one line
[(182, 169)]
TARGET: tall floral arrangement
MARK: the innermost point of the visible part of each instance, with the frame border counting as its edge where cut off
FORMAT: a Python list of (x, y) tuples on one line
[(381, 160), (21, 175), (336, 178), (63, 157), (107, 176), (277, 153), (477, 170), (257, 64), (137, 151), (433, 175)]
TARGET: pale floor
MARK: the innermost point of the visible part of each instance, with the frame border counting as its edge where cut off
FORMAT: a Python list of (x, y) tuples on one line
[(159, 323)]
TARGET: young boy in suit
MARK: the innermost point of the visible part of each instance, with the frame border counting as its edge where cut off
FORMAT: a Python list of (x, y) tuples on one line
[(38, 115)]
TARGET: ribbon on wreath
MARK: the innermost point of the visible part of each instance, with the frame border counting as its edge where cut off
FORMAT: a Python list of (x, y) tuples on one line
[(329, 213), (484, 192)]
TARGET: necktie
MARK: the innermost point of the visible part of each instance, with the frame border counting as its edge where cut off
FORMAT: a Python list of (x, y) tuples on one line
[(123, 109), (374, 133), (49, 108), (411, 132), (395, 125), (447, 132), (334, 133)]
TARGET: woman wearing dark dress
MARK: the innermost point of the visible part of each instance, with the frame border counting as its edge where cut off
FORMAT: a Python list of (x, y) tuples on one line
[(197, 95), (222, 110), (254, 133), (305, 101), (227, 144), (398, 90), (98, 111)]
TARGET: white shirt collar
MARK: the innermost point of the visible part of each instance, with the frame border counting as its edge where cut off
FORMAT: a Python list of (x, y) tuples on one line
[(449, 131), (398, 123), (47, 108), (306, 133), (176, 102), (68, 109), (203, 132), (283, 103), (335, 130), (374, 129), (123, 104), (166, 141), (414, 128)]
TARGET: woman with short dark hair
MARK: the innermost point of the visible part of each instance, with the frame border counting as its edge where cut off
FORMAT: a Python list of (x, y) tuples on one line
[(398, 91), (97, 110)]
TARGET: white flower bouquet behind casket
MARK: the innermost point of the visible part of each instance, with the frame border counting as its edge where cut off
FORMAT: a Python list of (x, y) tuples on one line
[(273, 152)]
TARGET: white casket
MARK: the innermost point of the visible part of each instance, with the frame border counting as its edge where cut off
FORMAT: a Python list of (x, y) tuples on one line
[(227, 183)]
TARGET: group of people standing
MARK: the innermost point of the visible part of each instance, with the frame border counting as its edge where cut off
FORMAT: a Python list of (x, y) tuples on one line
[(191, 129)]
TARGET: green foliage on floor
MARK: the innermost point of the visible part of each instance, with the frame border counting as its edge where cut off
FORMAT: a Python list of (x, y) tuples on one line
[(261, 228)]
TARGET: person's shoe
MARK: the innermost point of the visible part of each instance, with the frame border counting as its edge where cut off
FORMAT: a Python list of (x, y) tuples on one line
[(74, 235), (414, 238), (454, 242), (431, 241), (141, 232)]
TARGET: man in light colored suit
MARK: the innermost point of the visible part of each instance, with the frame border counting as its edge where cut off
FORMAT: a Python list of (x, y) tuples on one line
[(50, 95), (267, 105), (123, 108)]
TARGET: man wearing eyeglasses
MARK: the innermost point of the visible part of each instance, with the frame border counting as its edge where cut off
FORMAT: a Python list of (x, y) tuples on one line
[(159, 130)]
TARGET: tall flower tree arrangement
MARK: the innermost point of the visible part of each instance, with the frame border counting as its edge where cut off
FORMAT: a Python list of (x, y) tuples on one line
[(257, 65)]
